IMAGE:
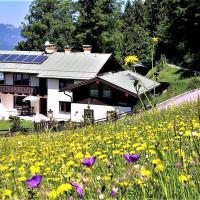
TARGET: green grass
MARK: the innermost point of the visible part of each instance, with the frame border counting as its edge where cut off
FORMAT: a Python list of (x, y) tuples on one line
[(6, 125), (178, 84)]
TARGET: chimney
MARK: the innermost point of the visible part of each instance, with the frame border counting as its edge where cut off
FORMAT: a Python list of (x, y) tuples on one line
[(50, 48), (67, 49), (87, 48)]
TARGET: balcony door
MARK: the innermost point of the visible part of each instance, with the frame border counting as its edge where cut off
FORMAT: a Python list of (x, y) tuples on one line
[(21, 79)]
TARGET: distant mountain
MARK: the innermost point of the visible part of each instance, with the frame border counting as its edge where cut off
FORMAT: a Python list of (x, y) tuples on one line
[(9, 36)]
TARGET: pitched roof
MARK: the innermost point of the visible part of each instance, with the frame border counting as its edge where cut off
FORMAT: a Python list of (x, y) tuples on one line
[(78, 65), (126, 80), (123, 80)]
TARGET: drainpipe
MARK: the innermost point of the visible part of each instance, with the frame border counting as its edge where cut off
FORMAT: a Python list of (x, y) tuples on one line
[(70, 100)]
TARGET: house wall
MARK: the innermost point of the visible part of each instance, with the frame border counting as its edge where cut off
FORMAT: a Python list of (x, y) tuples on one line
[(8, 99), (54, 96), (100, 111), (82, 95)]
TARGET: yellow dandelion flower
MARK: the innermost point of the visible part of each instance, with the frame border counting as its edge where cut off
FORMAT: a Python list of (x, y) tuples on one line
[(22, 178), (183, 178), (156, 161), (64, 188), (124, 184), (53, 194), (6, 193), (159, 168), (131, 60), (139, 182), (70, 163), (34, 169), (115, 152), (79, 155), (106, 178), (7, 175), (145, 173), (3, 168)]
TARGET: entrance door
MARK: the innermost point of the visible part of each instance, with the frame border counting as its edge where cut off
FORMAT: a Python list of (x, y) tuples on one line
[(43, 106), (88, 116), (42, 87)]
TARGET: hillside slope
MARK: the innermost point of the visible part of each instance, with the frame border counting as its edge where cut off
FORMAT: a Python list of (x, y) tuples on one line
[(177, 81)]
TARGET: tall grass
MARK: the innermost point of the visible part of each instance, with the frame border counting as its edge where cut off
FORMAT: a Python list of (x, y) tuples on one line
[(167, 143)]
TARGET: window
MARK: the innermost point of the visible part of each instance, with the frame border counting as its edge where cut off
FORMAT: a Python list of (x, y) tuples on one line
[(19, 103), (65, 83), (64, 106), (107, 92), (94, 90), (2, 78), (21, 79)]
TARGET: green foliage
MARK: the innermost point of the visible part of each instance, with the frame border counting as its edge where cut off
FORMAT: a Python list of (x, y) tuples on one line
[(99, 25), (102, 24), (48, 20), (177, 85), (136, 34), (15, 124), (193, 83)]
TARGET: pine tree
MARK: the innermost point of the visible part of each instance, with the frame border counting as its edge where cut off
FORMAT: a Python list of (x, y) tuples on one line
[(136, 34), (47, 20), (184, 31), (99, 25)]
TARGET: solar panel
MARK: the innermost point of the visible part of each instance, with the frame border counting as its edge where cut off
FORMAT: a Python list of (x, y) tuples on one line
[(20, 58), (29, 59), (3, 56), (10, 58), (25, 59), (39, 59)]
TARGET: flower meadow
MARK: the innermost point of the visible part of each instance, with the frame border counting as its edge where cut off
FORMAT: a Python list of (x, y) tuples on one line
[(153, 155)]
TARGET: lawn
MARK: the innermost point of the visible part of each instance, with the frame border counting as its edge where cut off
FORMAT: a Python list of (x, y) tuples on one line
[(5, 124), (177, 79), (147, 156)]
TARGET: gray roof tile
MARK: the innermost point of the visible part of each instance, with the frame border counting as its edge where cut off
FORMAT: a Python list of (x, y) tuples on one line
[(126, 79), (78, 65)]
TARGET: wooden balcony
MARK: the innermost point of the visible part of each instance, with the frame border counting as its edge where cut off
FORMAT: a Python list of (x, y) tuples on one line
[(15, 89)]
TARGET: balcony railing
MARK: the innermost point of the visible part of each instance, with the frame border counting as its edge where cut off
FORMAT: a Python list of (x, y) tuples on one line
[(16, 89)]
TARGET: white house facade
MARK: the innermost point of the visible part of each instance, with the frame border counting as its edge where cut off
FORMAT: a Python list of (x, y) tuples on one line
[(110, 92), (44, 75)]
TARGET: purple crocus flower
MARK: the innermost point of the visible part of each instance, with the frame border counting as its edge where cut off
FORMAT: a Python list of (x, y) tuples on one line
[(114, 192), (131, 158), (178, 165), (78, 189), (34, 181), (89, 161)]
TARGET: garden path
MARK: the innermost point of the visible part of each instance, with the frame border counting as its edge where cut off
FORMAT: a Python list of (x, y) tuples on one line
[(185, 97)]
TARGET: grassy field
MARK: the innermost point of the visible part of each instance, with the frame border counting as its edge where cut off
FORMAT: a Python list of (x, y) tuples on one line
[(178, 82), (148, 156), (5, 124)]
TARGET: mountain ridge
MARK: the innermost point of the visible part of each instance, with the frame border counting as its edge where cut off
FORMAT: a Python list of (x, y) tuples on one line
[(10, 36)]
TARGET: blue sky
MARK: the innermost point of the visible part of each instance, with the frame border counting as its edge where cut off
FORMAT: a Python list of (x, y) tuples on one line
[(13, 11)]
